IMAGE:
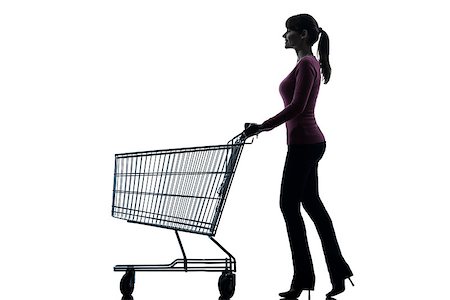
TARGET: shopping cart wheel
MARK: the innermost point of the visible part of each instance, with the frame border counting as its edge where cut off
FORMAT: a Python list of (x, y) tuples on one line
[(227, 283), (127, 284)]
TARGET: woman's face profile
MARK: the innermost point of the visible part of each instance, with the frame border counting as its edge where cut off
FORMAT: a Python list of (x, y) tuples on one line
[(292, 38)]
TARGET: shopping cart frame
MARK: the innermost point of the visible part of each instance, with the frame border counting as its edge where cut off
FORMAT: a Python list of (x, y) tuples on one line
[(131, 210)]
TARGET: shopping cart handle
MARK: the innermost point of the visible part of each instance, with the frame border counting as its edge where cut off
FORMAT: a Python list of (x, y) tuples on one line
[(241, 138)]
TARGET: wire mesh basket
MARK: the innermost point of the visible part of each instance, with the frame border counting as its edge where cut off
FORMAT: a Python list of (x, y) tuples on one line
[(183, 189)]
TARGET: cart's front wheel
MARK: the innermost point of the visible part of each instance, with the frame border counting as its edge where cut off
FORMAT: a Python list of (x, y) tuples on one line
[(227, 284), (127, 284)]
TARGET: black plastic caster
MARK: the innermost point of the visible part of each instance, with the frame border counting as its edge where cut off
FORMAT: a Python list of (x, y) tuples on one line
[(227, 284), (127, 284)]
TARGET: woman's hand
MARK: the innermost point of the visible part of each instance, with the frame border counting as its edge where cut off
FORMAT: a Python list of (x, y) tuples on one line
[(252, 129)]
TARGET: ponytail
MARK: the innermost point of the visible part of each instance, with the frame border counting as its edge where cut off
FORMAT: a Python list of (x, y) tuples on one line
[(324, 52)]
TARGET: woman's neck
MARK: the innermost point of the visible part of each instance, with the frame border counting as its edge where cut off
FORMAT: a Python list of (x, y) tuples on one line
[(302, 53)]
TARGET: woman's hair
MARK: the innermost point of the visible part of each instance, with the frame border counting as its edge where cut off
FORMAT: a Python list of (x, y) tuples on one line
[(308, 23)]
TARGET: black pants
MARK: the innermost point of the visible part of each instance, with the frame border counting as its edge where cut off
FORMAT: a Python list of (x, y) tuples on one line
[(300, 185)]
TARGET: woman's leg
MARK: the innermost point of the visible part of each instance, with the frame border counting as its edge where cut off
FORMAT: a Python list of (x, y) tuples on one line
[(295, 177), (313, 205)]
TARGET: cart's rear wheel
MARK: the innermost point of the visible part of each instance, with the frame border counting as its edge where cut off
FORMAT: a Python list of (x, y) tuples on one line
[(227, 284), (127, 284)]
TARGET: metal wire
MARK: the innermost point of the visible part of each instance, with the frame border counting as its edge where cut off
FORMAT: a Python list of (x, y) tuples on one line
[(183, 189)]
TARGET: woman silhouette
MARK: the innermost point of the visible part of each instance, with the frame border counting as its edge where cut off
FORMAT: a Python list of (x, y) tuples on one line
[(306, 146)]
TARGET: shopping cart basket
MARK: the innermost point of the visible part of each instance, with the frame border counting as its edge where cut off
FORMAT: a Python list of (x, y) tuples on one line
[(180, 189)]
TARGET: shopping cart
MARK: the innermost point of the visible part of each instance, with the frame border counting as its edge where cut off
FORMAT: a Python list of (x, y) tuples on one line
[(181, 189)]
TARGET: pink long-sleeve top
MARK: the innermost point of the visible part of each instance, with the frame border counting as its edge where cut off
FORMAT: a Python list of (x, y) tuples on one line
[(299, 92)]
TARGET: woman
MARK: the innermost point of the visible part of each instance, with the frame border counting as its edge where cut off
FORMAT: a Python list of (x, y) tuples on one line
[(306, 146)]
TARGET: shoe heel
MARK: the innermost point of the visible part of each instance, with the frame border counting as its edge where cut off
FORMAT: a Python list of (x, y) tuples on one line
[(351, 281)]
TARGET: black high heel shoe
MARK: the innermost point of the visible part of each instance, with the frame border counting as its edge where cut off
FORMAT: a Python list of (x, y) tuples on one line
[(338, 286), (295, 293)]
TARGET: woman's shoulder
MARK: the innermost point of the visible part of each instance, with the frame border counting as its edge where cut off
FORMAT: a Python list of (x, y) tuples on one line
[(308, 63), (308, 60)]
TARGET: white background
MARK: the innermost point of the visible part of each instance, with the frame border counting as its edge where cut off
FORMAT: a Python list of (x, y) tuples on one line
[(83, 80)]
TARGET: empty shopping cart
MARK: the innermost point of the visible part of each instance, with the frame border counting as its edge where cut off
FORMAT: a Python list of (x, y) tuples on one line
[(182, 189)]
